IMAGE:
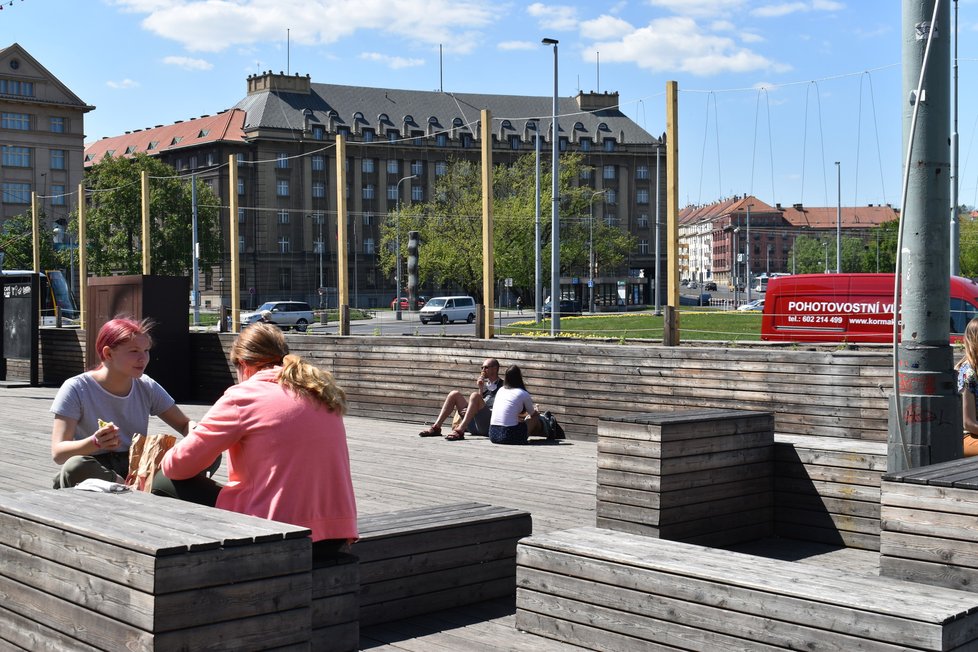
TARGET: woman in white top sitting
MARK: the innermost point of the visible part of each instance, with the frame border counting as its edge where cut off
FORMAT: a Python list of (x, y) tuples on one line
[(512, 399)]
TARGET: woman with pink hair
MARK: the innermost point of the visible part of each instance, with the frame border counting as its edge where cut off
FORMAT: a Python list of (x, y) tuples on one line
[(96, 413)]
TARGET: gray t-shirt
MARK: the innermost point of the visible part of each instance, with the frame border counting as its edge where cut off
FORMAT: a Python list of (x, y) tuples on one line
[(83, 399)]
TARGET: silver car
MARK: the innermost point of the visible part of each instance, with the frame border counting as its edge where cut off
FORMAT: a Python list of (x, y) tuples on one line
[(284, 314)]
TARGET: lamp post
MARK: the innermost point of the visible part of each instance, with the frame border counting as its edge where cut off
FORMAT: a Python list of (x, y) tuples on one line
[(590, 269), (838, 218), (555, 217), (825, 246), (195, 253), (62, 236), (658, 302), (397, 247), (747, 254), (736, 265)]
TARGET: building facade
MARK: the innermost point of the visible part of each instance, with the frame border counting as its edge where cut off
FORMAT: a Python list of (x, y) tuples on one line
[(398, 142), (42, 141)]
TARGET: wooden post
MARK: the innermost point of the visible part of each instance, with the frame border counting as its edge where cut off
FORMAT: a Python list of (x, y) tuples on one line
[(144, 195), (82, 256), (670, 326), (672, 208), (342, 273), (233, 244), (488, 274)]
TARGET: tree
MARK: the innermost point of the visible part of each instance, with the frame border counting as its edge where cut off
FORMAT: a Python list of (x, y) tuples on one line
[(114, 222), (17, 244), (450, 224)]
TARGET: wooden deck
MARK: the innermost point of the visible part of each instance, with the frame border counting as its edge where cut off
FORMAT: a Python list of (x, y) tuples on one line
[(393, 468)]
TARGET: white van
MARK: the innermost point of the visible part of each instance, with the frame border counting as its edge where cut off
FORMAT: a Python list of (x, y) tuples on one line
[(448, 310)]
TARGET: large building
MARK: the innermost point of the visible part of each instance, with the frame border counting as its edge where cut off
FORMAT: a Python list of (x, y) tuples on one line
[(282, 134), (42, 140)]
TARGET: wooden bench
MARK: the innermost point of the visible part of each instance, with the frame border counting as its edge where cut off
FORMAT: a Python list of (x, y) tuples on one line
[(930, 524), (828, 489), (702, 476), (608, 590), (131, 571), (416, 561)]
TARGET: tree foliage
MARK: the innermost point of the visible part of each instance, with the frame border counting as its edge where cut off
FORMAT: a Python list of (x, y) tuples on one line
[(816, 255), (450, 226), (17, 244), (114, 222)]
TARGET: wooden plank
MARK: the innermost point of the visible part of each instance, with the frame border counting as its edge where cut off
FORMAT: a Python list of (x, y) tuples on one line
[(935, 550), (911, 570)]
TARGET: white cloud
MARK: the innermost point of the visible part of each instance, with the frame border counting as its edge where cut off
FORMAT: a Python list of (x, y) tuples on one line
[(123, 84), (188, 63), (605, 27), (518, 45), (700, 8), (395, 63), (827, 5), (559, 17), (748, 37), (776, 11), (215, 25), (679, 44)]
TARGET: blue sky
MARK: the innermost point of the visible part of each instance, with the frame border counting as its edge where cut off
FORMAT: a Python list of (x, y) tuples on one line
[(772, 93)]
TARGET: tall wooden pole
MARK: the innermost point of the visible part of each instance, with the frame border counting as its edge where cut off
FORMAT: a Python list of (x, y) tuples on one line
[(488, 273), (233, 244), (342, 271), (671, 336), (82, 256), (144, 186)]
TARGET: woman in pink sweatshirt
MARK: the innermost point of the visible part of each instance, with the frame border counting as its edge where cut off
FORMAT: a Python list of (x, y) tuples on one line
[(282, 426)]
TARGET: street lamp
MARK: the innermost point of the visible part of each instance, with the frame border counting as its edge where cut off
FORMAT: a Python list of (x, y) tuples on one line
[(590, 270), (555, 222), (838, 218), (62, 236), (736, 265), (397, 247)]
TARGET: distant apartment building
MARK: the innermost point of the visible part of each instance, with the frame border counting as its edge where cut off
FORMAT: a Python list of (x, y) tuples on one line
[(282, 135), (42, 140), (743, 236)]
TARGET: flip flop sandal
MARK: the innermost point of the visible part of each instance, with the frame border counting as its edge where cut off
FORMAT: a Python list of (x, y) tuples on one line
[(433, 431), (455, 436)]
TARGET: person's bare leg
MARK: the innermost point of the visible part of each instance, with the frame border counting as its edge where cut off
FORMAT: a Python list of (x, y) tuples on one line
[(476, 403), (454, 401)]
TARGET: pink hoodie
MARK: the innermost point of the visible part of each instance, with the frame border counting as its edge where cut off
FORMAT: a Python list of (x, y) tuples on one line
[(288, 458)]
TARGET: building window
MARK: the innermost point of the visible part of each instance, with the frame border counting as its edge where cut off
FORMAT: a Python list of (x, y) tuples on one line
[(318, 133), (241, 189), (317, 246), (284, 245), (585, 144), (16, 157), (466, 140), (58, 125), (285, 278), (282, 161), (609, 172), (368, 191), (562, 144), (16, 193), (16, 87), (611, 219), (318, 163), (393, 166), (610, 197), (282, 187), (283, 217), (417, 168), (368, 219), (368, 135), (367, 165), (241, 216), (193, 162), (642, 172), (317, 218), (393, 136), (318, 189), (643, 220), (441, 140), (210, 159), (514, 142), (586, 173), (241, 247), (58, 195), (368, 246), (609, 144), (417, 193), (643, 246), (240, 158), (642, 196), (392, 192), (441, 168), (417, 138), (21, 121)]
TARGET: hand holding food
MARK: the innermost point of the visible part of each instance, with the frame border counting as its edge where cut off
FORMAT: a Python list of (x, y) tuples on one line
[(107, 435)]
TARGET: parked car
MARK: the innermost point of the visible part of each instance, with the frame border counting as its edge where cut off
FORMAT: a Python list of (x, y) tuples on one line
[(567, 307), (284, 314), (702, 299), (753, 306), (710, 286), (448, 310), (418, 301)]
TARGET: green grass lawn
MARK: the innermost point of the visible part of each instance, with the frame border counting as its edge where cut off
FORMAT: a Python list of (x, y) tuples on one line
[(730, 325)]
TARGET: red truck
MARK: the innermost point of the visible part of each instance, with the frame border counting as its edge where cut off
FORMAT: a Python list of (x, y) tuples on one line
[(847, 308)]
